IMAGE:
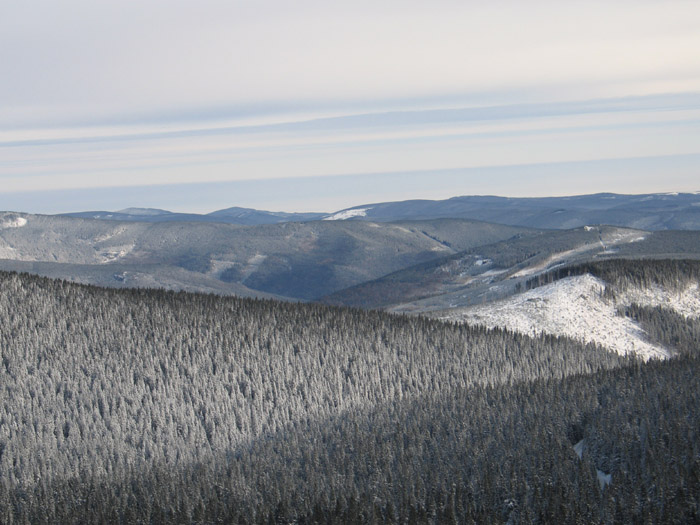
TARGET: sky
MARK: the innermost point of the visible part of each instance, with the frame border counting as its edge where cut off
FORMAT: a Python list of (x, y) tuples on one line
[(318, 106)]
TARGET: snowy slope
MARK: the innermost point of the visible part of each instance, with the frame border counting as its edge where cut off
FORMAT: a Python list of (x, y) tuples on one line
[(11, 220), (348, 214), (575, 307), (686, 302)]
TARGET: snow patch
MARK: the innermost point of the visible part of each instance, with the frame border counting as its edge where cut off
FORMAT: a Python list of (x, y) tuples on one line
[(572, 307), (106, 236), (685, 302), (348, 214), (253, 264), (554, 258), (115, 253), (606, 241), (8, 252), (491, 273), (12, 220), (603, 478)]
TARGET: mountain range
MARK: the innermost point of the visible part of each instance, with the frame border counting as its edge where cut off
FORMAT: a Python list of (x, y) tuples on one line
[(409, 256), (234, 215), (292, 260), (474, 371), (656, 211)]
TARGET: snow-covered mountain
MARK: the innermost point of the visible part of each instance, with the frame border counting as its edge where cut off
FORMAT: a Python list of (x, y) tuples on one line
[(657, 211), (508, 284)]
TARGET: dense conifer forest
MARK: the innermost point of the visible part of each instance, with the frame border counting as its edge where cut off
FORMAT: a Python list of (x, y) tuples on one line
[(147, 406), (620, 274)]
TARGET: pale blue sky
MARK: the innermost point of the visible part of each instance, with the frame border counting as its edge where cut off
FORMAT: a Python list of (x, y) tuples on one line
[(324, 105)]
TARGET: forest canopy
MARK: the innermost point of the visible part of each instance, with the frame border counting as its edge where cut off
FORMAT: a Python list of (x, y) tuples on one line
[(154, 406)]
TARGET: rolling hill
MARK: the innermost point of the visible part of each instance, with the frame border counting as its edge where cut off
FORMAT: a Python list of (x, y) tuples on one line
[(300, 261)]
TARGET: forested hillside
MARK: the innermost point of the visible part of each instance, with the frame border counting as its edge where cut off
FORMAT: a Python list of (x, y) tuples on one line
[(153, 406), (495, 271)]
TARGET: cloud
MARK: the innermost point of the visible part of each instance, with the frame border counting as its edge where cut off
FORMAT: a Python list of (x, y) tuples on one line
[(75, 59), (363, 143), (102, 94)]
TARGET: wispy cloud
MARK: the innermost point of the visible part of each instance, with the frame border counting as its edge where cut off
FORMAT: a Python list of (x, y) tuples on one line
[(365, 143), (102, 94)]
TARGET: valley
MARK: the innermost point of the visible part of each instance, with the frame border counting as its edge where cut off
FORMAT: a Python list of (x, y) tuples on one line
[(296, 261)]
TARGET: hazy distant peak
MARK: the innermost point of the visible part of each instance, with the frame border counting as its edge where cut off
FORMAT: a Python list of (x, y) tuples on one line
[(144, 211), (236, 211), (253, 216)]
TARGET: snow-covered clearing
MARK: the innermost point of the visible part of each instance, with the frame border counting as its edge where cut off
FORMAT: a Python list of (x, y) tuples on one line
[(10, 220), (7, 252), (114, 253), (537, 268), (686, 302), (106, 236), (606, 241), (348, 214), (603, 478), (572, 307), (253, 264)]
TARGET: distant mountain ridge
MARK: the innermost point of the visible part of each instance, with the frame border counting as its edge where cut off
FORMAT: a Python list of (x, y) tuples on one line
[(234, 215), (656, 211)]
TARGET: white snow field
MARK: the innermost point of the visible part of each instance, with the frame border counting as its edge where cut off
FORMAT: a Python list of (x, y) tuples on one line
[(685, 302), (575, 307), (348, 214), (12, 220)]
